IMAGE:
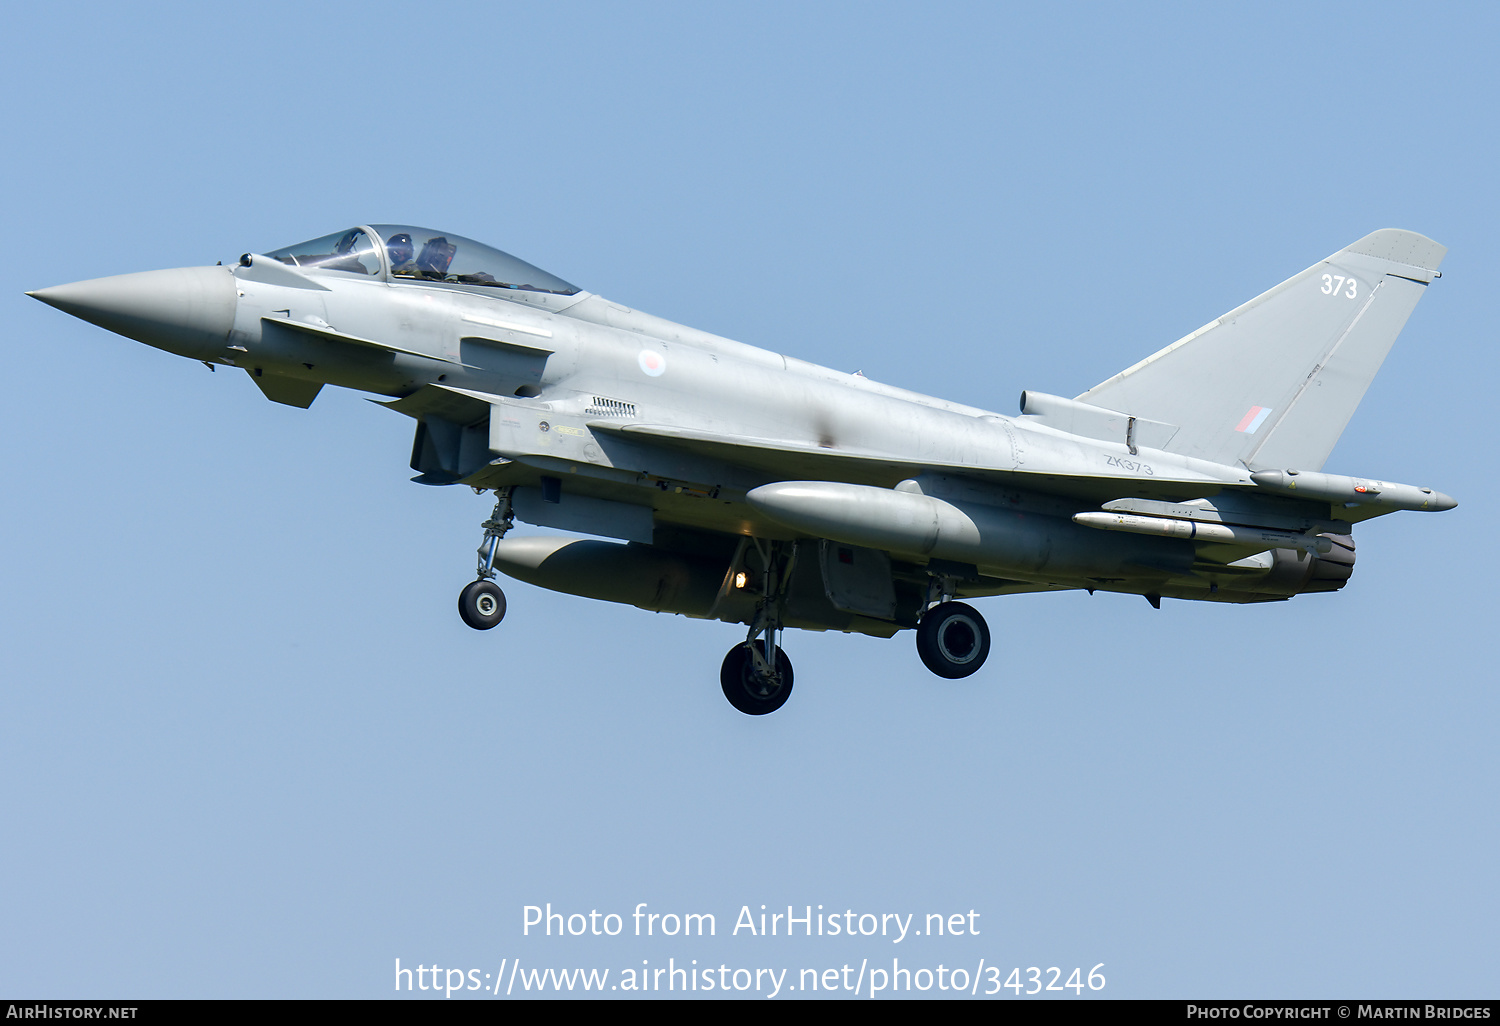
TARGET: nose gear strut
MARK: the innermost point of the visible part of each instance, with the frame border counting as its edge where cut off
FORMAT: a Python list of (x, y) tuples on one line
[(482, 604), (502, 519)]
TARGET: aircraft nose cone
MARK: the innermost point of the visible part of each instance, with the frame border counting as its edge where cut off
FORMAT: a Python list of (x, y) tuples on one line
[(188, 311)]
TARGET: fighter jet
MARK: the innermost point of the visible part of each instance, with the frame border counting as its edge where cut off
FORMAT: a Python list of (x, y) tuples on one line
[(738, 484)]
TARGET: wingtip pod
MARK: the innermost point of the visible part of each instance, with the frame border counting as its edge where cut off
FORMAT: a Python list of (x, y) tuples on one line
[(1353, 490), (1402, 247)]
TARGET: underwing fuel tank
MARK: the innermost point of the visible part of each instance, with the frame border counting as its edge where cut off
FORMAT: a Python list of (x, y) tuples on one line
[(674, 582), (1003, 541), (636, 575)]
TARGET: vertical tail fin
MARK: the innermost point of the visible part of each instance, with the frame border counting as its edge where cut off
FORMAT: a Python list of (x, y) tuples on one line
[(1274, 382)]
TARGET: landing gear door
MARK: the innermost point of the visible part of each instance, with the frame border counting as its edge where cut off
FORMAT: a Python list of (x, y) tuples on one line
[(858, 580)]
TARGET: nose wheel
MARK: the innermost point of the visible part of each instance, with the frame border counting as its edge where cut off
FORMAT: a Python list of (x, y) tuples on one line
[(953, 640), (482, 604)]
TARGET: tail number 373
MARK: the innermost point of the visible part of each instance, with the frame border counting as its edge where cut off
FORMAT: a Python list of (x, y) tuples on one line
[(1338, 285)]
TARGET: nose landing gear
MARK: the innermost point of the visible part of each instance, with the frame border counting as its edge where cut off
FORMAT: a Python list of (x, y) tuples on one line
[(482, 604)]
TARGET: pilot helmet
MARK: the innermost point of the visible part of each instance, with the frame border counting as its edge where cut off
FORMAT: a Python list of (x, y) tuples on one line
[(400, 249)]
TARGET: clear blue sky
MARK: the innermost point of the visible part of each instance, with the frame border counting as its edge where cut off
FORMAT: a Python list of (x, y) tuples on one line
[(250, 750)]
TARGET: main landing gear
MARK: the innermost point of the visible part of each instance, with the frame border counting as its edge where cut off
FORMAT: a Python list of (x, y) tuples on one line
[(482, 603), (756, 675), (754, 684), (952, 638)]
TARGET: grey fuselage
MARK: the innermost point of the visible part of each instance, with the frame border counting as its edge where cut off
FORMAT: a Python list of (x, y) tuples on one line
[(619, 424)]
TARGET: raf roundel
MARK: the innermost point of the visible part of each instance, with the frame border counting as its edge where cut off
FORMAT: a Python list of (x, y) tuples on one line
[(652, 363)]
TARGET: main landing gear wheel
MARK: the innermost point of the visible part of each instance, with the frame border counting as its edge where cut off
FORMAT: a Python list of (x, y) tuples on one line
[(751, 691), (953, 640), (482, 605)]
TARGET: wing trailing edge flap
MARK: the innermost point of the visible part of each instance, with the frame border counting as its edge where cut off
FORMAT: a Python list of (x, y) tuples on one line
[(791, 459)]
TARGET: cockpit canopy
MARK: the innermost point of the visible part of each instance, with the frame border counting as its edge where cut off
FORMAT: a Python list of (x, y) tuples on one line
[(407, 253)]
